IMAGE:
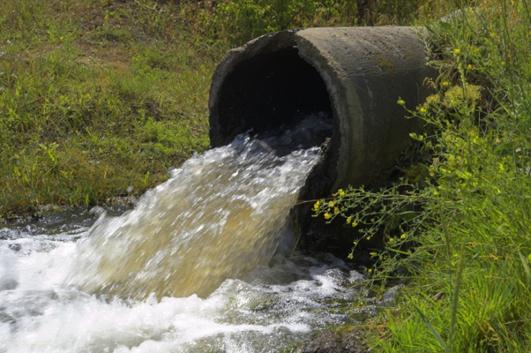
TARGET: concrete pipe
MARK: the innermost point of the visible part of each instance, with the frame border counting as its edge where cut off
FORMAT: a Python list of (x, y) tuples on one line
[(352, 77), (355, 75)]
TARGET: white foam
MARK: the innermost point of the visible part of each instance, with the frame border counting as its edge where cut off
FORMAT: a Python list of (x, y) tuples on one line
[(219, 216), (212, 228), (41, 315)]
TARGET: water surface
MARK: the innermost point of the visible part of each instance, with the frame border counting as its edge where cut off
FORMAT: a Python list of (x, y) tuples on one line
[(203, 263)]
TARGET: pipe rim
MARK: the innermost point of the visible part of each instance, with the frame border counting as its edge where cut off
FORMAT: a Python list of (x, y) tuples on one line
[(312, 55)]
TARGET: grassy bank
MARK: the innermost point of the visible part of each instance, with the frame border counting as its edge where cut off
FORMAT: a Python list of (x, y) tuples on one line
[(457, 225), (470, 268), (96, 98)]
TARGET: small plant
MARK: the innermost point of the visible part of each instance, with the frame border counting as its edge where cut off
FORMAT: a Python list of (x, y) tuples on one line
[(468, 269)]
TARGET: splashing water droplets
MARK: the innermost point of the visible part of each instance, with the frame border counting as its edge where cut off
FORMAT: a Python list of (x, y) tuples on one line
[(217, 217), (189, 269)]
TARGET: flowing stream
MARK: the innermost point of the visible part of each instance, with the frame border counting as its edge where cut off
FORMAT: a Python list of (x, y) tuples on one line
[(203, 263)]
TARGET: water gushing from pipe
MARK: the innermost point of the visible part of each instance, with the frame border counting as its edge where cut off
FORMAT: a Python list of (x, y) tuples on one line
[(219, 216)]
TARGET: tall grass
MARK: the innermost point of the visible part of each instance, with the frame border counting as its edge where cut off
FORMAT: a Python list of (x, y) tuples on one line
[(460, 235), (237, 21)]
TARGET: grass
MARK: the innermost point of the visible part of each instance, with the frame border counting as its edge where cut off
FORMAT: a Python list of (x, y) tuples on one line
[(100, 98), (470, 272), (457, 225), (471, 278)]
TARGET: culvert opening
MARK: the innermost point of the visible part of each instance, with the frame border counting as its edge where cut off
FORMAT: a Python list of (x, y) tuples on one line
[(277, 79), (270, 92)]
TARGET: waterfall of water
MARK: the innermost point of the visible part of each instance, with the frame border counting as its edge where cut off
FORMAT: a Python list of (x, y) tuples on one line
[(131, 283), (219, 216)]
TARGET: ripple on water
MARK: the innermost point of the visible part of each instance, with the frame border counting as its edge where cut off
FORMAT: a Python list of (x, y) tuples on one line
[(272, 307)]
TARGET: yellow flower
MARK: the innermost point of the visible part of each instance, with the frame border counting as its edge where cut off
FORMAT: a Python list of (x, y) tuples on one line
[(369, 270), (401, 102), (349, 219), (336, 210), (456, 51), (470, 67), (354, 224), (373, 253), (423, 110), (403, 236), (327, 216), (317, 205), (331, 204), (341, 193), (445, 83)]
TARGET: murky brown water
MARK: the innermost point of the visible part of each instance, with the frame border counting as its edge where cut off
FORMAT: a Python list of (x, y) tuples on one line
[(194, 267)]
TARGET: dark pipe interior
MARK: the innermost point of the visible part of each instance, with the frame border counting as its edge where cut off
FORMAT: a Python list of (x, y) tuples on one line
[(271, 91), (274, 91)]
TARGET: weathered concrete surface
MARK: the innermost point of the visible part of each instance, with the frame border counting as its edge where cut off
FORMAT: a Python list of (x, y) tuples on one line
[(364, 71), (355, 75)]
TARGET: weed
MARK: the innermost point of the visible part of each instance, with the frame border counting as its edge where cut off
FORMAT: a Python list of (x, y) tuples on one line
[(461, 232)]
